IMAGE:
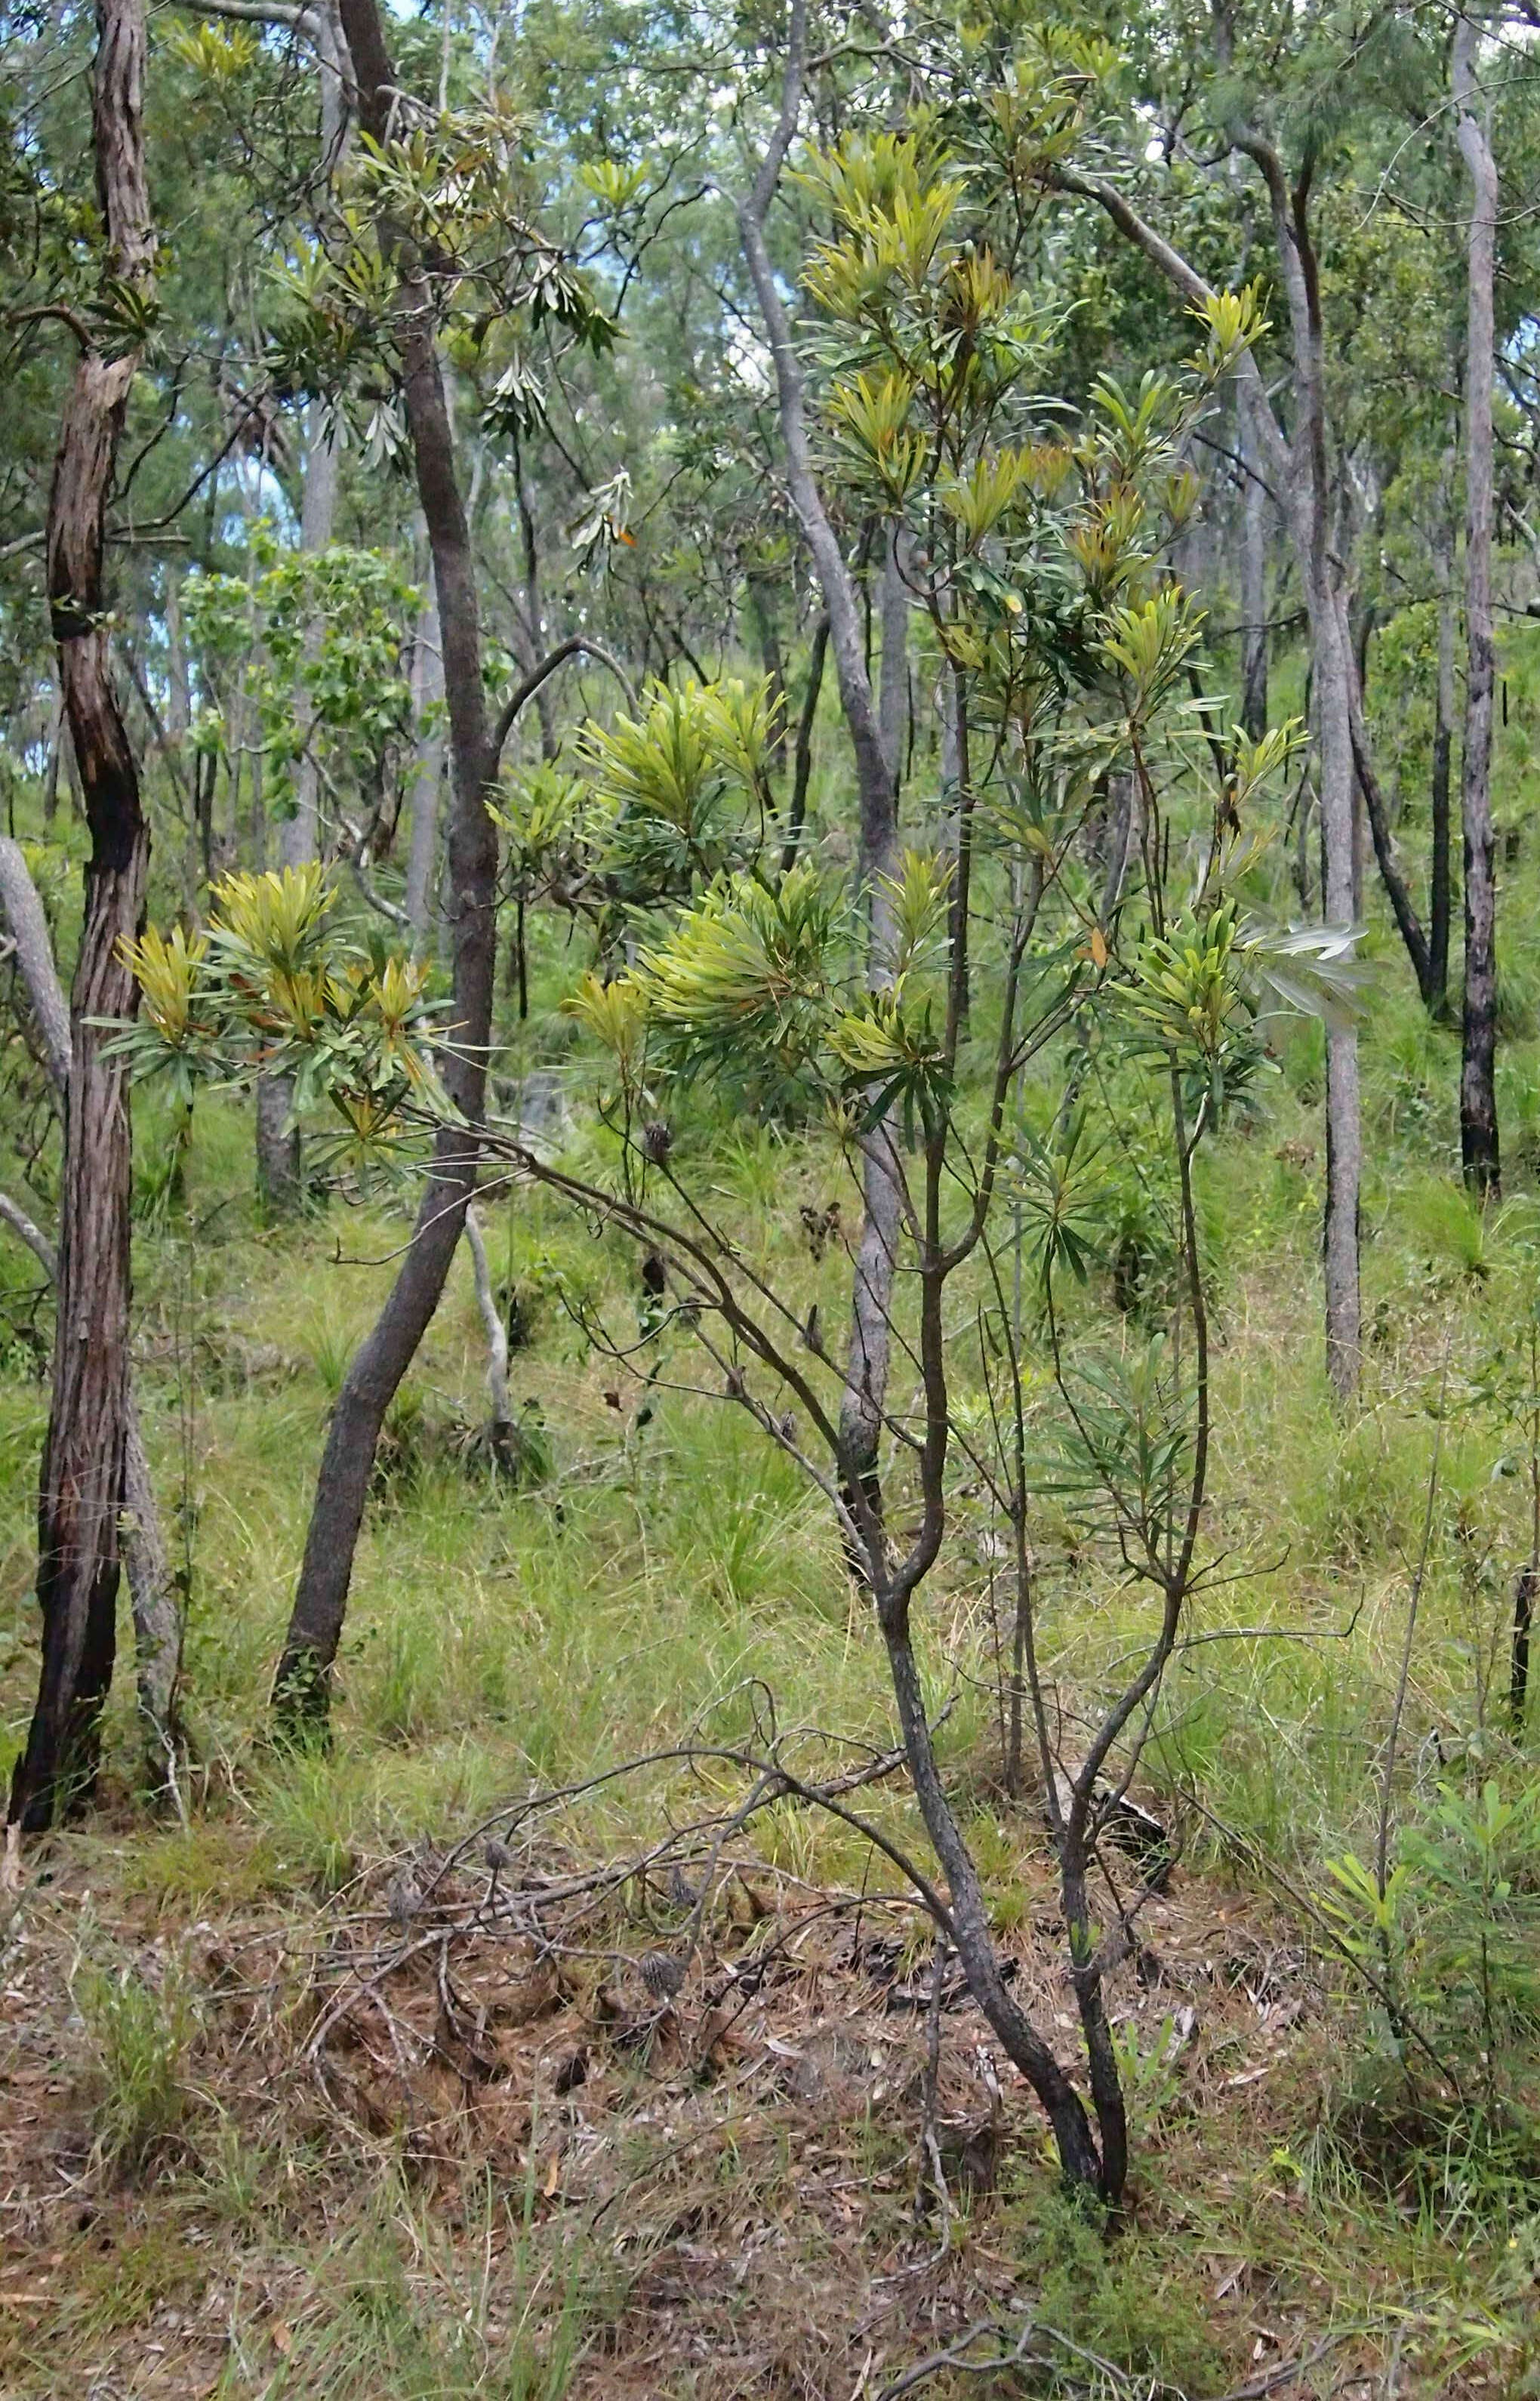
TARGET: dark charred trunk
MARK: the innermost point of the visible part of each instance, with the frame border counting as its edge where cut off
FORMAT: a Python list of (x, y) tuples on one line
[(796, 815), (762, 605), (1443, 745), (1255, 521), (1478, 1149)]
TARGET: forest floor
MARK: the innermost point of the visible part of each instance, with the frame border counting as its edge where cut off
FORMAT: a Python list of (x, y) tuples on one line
[(308, 2095), (402, 2145)]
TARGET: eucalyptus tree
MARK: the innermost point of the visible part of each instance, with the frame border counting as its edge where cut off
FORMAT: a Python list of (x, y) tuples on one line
[(437, 233), (80, 1499)]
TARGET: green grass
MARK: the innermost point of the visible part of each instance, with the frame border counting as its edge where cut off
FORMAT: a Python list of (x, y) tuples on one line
[(674, 1577)]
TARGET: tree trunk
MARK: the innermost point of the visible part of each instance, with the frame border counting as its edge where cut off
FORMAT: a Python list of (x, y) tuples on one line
[(1478, 1149), (802, 763), (762, 609), (866, 1385), (1443, 745), (529, 627), (1023, 2046), (428, 769), (157, 1613), (1333, 666), (81, 1490), (302, 1686), (1403, 908), (1299, 470), (865, 1393), (1255, 525)]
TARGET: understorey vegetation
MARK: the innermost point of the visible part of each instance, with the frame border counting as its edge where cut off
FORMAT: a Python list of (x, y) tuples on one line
[(770, 1274)]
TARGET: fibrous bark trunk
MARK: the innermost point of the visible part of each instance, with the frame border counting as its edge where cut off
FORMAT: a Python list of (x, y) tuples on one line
[(302, 1686), (1478, 1148), (81, 1490), (157, 1617)]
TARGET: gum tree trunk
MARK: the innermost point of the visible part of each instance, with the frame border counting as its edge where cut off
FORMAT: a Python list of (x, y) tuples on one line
[(866, 1373), (1478, 1150), (81, 1490), (302, 1686)]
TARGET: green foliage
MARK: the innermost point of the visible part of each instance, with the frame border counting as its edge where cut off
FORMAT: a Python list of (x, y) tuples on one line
[(312, 642), (746, 971), (680, 791), (1452, 1936), (275, 988)]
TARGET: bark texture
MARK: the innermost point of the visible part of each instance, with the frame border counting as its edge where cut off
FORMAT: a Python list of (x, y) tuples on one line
[(1479, 1148), (157, 1617), (302, 1687), (81, 1490), (428, 769)]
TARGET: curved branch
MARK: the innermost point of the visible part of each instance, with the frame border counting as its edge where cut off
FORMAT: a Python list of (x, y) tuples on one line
[(257, 12), (537, 675), (1193, 287), (61, 313), (33, 1236)]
